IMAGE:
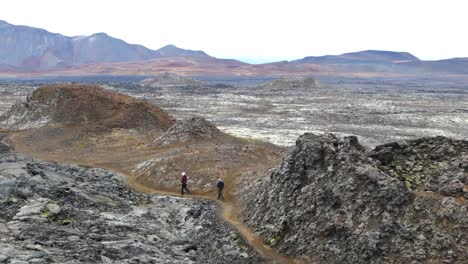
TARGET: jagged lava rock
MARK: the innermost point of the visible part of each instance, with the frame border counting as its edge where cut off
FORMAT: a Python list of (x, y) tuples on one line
[(331, 203), (73, 104), (436, 164), (54, 213)]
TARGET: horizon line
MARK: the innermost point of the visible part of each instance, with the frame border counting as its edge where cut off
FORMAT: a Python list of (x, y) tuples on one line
[(246, 59)]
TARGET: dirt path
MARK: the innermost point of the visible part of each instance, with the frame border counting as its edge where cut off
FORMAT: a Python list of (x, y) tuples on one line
[(229, 212)]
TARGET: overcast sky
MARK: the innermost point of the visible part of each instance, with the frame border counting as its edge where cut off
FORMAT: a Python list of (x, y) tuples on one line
[(260, 31)]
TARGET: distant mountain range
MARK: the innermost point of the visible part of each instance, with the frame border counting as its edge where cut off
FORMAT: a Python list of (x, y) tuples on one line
[(32, 49), (28, 50)]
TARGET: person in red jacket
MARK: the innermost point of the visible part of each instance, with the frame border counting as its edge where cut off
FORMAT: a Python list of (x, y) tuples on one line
[(184, 180)]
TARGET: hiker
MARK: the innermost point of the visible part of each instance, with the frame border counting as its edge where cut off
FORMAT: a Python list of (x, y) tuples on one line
[(184, 180), (220, 186)]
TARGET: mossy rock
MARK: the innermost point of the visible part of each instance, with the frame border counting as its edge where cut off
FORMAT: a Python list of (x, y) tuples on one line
[(408, 185), (46, 214), (271, 241)]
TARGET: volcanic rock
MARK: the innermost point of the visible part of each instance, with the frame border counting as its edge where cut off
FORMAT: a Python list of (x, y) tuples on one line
[(73, 104), (435, 164), (331, 202), (53, 213)]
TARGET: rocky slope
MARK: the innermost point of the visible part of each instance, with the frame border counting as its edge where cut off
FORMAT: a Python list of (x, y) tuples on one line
[(332, 202), (439, 164), (54, 213), (89, 105)]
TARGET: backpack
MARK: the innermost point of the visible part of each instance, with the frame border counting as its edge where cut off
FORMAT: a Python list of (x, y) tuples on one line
[(220, 184)]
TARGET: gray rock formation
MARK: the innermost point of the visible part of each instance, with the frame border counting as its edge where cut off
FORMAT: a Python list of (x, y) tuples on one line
[(291, 82), (437, 164), (195, 128), (54, 213), (330, 202), (170, 80)]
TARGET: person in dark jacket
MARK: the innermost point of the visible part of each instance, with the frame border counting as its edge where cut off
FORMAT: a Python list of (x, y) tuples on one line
[(220, 186), (184, 180)]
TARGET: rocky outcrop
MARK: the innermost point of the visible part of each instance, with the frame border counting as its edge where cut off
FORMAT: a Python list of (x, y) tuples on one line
[(435, 164), (331, 202), (170, 80), (191, 129), (73, 104), (291, 82), (54, 213)]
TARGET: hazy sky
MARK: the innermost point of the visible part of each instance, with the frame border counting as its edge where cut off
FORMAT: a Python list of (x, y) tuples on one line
[(260, 31)]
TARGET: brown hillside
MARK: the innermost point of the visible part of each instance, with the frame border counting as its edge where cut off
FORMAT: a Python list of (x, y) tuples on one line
[(74, 104)]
